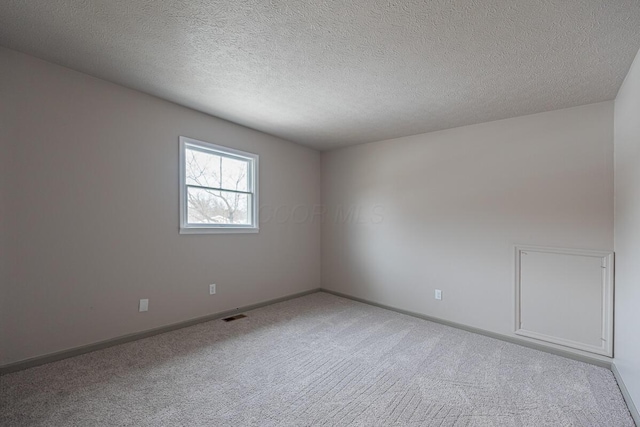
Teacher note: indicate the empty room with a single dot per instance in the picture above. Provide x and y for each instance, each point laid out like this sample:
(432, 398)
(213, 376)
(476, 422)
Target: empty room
(320, 213)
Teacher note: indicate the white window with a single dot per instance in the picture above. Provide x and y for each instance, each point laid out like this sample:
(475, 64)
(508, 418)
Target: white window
(218, 189)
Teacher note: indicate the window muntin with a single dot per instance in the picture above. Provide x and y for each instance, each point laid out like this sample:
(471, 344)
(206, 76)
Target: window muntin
(218, 188)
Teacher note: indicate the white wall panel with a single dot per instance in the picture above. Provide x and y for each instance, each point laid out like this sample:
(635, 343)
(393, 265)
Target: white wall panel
(565, 296)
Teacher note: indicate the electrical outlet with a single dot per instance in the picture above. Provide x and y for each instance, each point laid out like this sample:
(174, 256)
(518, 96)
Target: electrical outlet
(438, 295)
(144, 305)
(212, 289)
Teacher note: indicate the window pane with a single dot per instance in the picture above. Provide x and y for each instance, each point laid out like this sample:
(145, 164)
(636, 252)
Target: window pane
(235, 174)
(216, 171)
(218, 207)
(202, 169)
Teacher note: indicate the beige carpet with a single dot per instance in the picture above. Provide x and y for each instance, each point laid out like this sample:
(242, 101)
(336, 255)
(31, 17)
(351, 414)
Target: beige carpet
(315, 360)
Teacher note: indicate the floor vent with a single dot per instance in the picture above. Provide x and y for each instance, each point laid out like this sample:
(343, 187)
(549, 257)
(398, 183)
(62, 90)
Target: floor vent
(236, 317)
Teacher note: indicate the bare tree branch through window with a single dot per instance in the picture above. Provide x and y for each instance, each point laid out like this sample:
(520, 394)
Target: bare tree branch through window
(219, 193)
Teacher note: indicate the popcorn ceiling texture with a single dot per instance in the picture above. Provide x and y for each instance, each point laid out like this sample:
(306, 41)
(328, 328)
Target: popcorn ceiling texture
(333, 73)
(318, 360)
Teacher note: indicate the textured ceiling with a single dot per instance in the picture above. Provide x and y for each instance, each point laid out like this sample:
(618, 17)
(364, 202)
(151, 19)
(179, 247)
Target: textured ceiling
(332, 73)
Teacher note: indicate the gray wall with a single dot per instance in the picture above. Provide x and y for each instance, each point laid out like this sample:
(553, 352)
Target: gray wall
(93, 224)
(443, 210)
(89, 170)
(5, 163)
(627, 237)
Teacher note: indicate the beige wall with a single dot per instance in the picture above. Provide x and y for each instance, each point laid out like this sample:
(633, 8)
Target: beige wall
(443, 210)
(93, 222)
(627, 237)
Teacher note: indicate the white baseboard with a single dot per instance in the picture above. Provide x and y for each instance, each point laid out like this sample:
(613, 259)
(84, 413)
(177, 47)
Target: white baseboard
(625, 393)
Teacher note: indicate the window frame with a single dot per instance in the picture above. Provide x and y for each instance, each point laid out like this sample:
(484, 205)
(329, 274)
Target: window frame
(253, 179)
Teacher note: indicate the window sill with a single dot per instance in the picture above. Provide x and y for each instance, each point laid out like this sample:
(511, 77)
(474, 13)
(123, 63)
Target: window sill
(220, 230)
